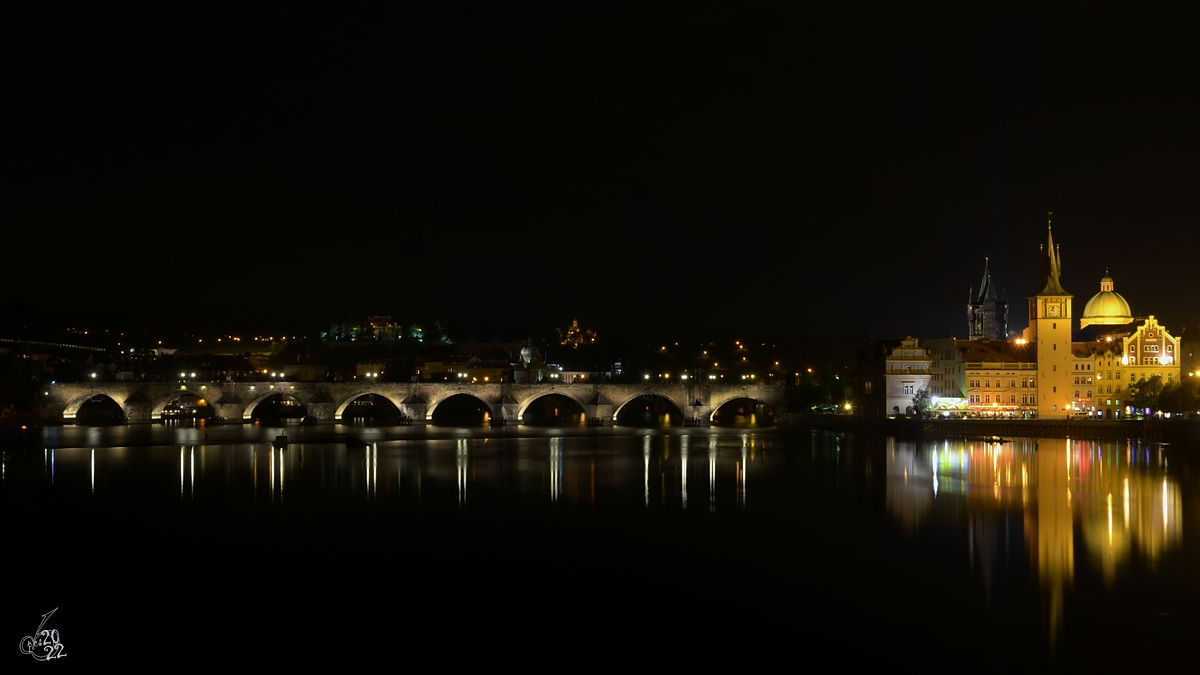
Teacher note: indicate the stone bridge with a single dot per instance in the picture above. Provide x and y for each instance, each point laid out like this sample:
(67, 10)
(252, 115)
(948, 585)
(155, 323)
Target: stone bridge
(326, 401)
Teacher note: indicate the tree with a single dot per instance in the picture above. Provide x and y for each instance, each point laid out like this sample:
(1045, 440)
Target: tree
(1144, 394)
(1181, 397)
(923, 402)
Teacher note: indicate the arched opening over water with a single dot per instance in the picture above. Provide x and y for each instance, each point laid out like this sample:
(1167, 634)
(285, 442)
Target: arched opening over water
(371, 409)
(649, 410)
(744, 412)
(554, 410)
(462, 410)
(100, 409)
(280, 408)
(187, 406)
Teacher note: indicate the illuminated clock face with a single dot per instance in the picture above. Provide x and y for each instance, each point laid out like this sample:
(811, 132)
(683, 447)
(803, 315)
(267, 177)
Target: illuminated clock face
(1052, 310)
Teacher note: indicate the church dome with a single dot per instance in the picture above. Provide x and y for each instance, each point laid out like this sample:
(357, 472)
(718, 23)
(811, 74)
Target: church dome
(529, 353)
(1106, 307)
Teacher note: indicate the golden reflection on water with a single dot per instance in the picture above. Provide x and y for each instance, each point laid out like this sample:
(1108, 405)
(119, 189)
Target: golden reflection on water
(1119, 494)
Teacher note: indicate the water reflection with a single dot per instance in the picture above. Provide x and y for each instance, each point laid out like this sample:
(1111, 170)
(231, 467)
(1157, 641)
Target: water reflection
(556, 468)
(1051, 487)
(683, 459)
(461, 459)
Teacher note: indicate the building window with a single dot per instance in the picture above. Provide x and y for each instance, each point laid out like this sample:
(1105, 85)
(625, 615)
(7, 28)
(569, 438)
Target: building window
(908, 389)
(1012, 398)
(987, 398)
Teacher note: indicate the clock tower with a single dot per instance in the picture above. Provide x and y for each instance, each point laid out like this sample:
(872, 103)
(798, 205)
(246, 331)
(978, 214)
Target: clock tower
(1050, 331)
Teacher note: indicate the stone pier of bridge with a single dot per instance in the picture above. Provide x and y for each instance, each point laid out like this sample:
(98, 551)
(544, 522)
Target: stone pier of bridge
(327, 401)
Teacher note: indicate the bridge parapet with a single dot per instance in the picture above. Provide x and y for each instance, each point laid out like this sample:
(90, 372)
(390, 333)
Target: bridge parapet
(327, 401)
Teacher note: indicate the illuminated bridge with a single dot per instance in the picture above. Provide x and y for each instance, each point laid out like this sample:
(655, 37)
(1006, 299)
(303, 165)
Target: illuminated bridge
(328, 401)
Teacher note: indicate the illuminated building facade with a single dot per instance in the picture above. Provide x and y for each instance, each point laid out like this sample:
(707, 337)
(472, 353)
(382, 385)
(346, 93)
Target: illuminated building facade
(908, 370)
(985, 378)
(1124, 356)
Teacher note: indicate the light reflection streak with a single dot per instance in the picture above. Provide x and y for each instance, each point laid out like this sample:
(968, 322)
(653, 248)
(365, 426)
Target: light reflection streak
(712, 478)
(182, 466)
(51, 466)
(683, 452)
(1164, 504)
(93, 470)
(742, 475)
(271, 468)
(646, 462)
(556, 469)
(934, 471)
(461, 462)
(1109, 501)
(192, 469)
(370, 462)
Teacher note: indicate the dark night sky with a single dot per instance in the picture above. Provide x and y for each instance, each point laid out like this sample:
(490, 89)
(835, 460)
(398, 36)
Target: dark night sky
(775, 166)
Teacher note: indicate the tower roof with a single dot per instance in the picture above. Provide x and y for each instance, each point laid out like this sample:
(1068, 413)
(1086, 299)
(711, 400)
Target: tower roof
(1051, 267)
(987, 291)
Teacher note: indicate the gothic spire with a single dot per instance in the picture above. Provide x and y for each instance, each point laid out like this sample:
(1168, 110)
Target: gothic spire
(1051, 265)
(986, 290)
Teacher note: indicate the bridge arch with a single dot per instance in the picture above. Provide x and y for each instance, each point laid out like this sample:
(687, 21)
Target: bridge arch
(557, 392)
(528, 403)
(742, 396)
(161, 402)
(248, 412)
(71, 410)
(676, 417)
(437, 402)
(337, 414)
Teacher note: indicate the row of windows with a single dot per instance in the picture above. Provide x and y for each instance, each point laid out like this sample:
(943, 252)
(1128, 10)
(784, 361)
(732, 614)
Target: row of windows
(987, 398)
(987, 384)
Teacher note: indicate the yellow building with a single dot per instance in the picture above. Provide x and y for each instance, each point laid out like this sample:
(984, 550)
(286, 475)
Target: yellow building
(1123, 356)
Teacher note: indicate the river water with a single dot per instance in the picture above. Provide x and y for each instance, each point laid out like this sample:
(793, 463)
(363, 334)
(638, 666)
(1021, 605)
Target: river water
(564, 548)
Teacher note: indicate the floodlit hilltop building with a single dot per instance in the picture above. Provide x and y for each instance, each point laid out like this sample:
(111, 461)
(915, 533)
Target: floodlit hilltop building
(1051, 370)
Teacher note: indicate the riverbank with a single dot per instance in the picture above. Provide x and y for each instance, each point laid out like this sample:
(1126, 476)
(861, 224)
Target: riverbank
(1184, 432)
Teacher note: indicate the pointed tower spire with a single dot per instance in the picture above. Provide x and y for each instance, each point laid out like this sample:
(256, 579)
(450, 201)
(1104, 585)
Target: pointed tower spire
(1051, 264)
(986, 290)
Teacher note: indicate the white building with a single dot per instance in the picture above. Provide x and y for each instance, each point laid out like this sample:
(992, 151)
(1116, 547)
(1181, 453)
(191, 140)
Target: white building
(908, 370)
